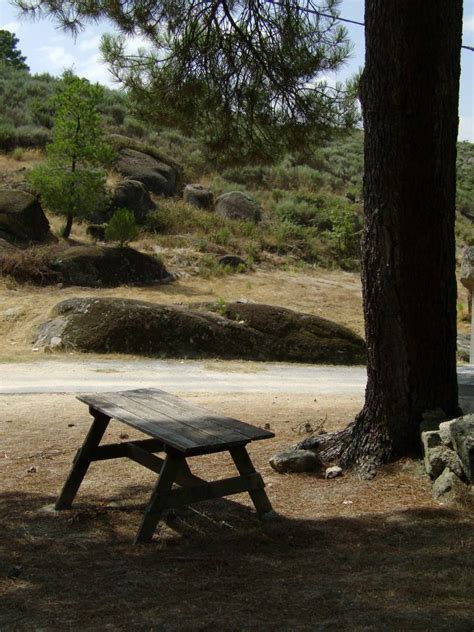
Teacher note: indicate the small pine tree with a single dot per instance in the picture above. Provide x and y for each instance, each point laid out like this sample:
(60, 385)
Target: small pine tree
(122, 227)
(72, 182)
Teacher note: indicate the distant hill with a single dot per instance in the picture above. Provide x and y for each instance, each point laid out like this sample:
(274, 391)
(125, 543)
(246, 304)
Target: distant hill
(312, 209)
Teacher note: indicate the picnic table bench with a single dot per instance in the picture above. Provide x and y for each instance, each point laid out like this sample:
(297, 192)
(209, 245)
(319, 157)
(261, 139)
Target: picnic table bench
(180, 430)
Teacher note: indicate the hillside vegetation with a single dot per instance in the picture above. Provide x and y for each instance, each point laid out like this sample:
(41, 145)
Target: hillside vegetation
(311, 211)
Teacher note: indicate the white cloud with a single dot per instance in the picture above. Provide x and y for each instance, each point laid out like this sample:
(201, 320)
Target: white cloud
(468, 25)
(58, 57)
(94, 69)
(13, 27)
(466, 128)
(89, 44)
(135, 42)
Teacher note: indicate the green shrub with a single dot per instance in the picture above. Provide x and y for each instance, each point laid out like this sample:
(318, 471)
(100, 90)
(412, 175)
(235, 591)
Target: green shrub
(122, 227)
(134, 128)
(7, 137)
(300, 212)
(249, 176)
(117, 112)
(222, 236)
(32, 137)
(62, 190)
(346, 231)
(176, 217)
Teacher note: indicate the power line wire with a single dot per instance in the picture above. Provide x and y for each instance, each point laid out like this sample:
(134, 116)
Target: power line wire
(339, 19)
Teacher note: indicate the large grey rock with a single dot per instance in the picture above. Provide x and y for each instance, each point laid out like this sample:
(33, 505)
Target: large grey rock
(157, 176)
(295, 336)
(467, 268)
(238, 205)
(440, 458)
(296, 461)
(124, 326)
(197, 195)
(430, 439)
(462, 433)
(22, 219)
(448, 487)
(463, 346)
(133, 195)
(445, 433)
(95, 266)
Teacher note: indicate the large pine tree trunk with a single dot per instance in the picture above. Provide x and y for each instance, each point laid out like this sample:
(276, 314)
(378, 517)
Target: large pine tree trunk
(409, 94)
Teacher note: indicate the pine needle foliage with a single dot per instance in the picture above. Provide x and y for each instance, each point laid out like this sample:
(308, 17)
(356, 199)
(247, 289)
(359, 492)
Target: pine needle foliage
(247, 77)
(72, 182)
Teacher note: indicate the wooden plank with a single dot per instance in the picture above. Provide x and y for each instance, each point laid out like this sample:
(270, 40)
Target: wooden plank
(166, 432)
(216, 489)
(186, 438)
(82, 461)
(184, 477)
(203, 421)
(109, 451)
(176, 404)
(258, 495)
(118, 450)
(155, 507)
(148, 460)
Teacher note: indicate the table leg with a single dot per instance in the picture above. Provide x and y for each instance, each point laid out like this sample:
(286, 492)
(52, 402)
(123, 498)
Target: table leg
(82, 460)
(158, 498)
(245, 466)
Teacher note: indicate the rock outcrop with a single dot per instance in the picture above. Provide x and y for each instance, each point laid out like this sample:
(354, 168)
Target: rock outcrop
(197, 195)
(118, 325)
(158, 177)
(449, 458)
(22, 220)
(467, 268)
(133, 195)
(238, 205)
(94, 266)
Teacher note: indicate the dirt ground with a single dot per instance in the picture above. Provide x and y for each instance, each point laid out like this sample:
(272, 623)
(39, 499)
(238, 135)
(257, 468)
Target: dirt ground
(343, 554)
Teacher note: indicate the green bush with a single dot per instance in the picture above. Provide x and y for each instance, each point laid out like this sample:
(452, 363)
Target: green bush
(222, 236)
(61, 190)
(178, 217)
(7, 137)
(249, 176)
(122, 227)
(32, 137)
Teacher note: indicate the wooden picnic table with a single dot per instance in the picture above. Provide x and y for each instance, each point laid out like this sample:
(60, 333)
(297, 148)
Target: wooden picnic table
(180, 430)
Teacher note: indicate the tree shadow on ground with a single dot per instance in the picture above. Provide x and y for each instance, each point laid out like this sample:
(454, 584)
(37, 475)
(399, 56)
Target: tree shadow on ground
(216, 566)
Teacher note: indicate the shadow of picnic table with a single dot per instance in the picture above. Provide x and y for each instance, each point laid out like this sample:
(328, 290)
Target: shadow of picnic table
(217, 567)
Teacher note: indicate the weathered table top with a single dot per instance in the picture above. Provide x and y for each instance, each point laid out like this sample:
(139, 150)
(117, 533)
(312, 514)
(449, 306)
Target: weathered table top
(177, 423)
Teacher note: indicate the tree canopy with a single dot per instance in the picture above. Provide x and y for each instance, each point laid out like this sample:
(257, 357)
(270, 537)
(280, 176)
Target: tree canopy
(8, 51)
(252, 76)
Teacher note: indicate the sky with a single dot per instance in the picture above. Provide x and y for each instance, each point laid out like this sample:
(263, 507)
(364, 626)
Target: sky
(48, 49)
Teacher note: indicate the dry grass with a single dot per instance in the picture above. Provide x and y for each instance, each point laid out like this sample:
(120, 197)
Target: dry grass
(333, 295)
(343, 555)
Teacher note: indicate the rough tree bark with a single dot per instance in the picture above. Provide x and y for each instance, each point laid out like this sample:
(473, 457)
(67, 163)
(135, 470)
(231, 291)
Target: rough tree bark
(409, 94)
